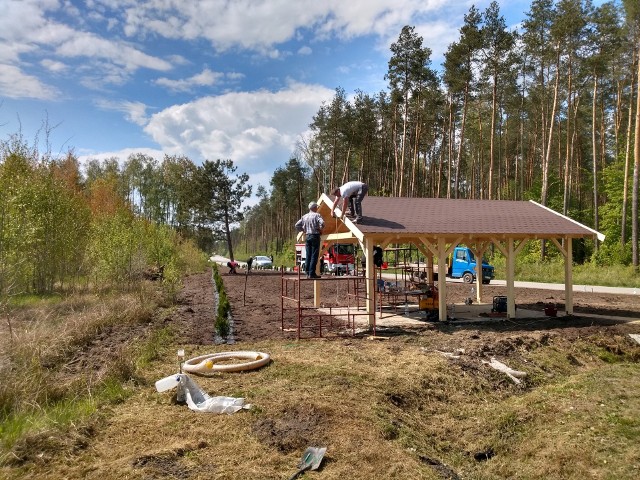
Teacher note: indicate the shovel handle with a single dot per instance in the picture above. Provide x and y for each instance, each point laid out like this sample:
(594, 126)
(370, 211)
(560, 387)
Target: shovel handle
(295, 475)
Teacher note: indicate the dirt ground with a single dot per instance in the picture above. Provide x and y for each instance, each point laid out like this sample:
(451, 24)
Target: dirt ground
(256, 308)
(256, 316)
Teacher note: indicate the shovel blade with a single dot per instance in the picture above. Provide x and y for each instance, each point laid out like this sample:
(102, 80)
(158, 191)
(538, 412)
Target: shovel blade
(312, 457)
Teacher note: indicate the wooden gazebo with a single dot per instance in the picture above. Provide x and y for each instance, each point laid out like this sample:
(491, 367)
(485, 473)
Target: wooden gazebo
(436, 225)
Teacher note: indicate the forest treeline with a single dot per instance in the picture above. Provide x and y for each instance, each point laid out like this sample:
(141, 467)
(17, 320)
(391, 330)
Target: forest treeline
(548, 113)
(110, 224)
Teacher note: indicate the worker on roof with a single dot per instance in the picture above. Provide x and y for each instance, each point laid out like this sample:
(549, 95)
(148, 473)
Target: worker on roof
(311, 224)
(355, 192)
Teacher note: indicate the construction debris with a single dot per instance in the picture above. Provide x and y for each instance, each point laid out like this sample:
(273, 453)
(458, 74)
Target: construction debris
(514, 375)
(448, 355)
(452, 355)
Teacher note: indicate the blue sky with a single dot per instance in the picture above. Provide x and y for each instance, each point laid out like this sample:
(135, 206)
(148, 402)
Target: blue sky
(238, 79)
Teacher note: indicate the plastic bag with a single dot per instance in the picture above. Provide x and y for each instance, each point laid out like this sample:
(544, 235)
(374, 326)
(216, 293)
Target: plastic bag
(198, 400)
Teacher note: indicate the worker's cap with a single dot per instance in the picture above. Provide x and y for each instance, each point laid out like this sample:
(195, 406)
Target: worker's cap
(313, 206)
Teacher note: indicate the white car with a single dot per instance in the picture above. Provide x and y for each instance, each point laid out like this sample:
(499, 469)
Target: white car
(262, 261)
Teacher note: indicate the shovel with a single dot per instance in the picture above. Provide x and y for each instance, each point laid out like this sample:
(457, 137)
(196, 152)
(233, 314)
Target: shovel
(311, 459)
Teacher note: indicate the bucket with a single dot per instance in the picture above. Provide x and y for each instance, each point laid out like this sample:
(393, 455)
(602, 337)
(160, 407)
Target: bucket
(167, 383)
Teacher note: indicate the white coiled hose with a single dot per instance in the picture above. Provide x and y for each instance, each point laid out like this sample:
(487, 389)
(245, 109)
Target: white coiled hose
(207, 364)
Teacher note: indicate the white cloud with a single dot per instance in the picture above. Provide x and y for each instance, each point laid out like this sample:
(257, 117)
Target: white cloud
(135, 112)
(437, 36)
(202, 79)
(257, 130)
(27, 28)
(235, 75)
(20, 18)
(14, 83)
(119, 53)
(53, 65)
(274, 22)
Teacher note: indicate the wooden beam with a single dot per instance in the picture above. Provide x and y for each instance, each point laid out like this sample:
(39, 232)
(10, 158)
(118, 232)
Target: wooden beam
(383, 243)
(597, 234)
(427, 254)
(353, 228)
(427, 243)
(520, 245)
(497, 243)
(452, 245)
(337, 237)
(560, 247)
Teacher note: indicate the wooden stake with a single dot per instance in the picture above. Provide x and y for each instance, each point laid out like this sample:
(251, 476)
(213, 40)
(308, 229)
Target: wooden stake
(244, 295)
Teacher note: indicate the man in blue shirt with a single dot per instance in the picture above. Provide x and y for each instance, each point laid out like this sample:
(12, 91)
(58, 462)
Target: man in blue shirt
(311, 224)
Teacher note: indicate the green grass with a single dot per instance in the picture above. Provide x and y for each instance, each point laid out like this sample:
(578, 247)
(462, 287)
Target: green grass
(31, 300)
(154, 347)
(586, 274)
(32, 403)
(59, 415)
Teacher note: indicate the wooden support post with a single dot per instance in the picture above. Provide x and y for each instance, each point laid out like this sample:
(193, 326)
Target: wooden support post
(317, 294)
(511, 273)
(566, 248)
(568, 276)
(442, 279)
(478, 251)
(371, 280)
(478, 279)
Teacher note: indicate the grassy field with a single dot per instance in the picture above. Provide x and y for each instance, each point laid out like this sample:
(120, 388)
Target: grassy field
(394, 408)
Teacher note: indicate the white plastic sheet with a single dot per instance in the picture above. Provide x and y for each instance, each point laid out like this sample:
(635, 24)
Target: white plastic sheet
(514, 375)
(199, 401)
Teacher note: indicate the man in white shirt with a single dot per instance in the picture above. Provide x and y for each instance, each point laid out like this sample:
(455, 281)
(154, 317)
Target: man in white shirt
(354, 191)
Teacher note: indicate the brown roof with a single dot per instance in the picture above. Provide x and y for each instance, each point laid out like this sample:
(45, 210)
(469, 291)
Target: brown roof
(440, 216)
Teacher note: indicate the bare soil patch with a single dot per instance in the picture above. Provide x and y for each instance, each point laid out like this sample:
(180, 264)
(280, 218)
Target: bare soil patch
(256, 303)
(292, 429)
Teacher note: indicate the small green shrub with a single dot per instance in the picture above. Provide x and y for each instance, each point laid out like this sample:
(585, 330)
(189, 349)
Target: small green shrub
(222, 325)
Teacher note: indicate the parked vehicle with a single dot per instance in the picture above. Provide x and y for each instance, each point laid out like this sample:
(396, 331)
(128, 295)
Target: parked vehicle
(262, 261)
(462, 264)
(338, 258)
